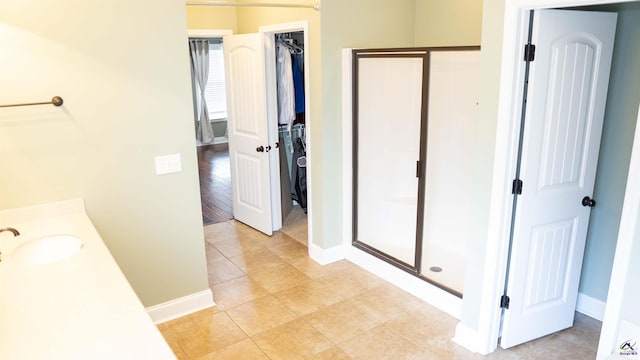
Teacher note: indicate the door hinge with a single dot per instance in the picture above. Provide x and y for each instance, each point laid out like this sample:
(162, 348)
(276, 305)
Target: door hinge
(504, 302)
(516, 188)
(418, 169)
(529, 52)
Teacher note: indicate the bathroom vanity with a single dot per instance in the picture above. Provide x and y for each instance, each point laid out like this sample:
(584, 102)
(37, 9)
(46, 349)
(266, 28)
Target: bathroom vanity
(62, 295)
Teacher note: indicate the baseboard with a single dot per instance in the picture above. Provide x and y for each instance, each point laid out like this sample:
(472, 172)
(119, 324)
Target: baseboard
(220, 140)
(326, 256)
(430, 294)
(216, 141)
(180, 307)
(466, 337)
(590, 306)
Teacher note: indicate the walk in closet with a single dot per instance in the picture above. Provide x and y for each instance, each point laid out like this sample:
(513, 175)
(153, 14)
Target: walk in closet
(267, 96)
(414, 117)
(291, 120)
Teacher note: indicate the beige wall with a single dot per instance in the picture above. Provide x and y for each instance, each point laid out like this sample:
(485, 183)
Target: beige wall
(122, 68)
(119, 114)
(350, 24)
(354, 23)
(212, 17)
(448, 23)
(491, 60)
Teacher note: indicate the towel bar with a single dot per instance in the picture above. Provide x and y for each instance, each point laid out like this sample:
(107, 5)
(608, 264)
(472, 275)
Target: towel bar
(56, 101)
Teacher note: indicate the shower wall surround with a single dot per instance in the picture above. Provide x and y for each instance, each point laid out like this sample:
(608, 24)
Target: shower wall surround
(414, 118)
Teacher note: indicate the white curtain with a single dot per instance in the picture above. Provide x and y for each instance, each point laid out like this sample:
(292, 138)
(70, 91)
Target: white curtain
(200, 66)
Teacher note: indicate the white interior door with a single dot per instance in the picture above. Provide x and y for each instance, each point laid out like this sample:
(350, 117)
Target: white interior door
(565, 109)
(248, 130)
(388, 138)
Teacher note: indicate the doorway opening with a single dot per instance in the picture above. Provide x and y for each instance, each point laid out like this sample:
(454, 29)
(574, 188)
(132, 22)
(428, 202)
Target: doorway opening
(211, 139)
(227, 238)
(504, 168)
(292, 131)
(290, 187)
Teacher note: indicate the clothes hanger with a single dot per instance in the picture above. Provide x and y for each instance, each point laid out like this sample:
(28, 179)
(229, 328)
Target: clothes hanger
(290, 44)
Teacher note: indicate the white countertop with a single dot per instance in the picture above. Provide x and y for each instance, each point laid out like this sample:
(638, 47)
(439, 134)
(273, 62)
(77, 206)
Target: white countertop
(78, 308)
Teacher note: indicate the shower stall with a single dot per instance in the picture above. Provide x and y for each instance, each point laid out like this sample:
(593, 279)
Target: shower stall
(414, 120)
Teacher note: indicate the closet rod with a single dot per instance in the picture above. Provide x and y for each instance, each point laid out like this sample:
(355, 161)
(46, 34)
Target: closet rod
(56, 101)
(315, 6)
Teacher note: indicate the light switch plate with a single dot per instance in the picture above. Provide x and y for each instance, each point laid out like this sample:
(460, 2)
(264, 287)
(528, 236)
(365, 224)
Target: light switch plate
(167, 164)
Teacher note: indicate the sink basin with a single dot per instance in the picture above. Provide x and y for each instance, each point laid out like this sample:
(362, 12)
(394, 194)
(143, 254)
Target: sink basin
(48, 249)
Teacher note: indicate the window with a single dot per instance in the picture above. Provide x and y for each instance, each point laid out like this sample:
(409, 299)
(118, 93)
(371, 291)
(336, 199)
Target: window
(215, 92)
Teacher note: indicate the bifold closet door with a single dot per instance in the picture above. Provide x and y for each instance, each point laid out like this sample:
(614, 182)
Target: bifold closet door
(389, 93)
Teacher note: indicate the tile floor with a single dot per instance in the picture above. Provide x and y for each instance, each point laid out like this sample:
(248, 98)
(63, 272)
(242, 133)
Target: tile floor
(273, 302)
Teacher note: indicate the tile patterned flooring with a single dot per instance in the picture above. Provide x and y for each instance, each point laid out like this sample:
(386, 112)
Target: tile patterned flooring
(274, 302)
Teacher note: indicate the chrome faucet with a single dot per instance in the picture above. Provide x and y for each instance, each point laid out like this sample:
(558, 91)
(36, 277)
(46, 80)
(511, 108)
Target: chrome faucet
(14, 231)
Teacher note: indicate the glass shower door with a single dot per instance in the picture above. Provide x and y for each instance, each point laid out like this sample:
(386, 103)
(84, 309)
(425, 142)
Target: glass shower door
(453, 112)
(388, 127)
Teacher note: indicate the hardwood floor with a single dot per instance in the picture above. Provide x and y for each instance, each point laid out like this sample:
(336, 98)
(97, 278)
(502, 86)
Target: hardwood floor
(215, 183)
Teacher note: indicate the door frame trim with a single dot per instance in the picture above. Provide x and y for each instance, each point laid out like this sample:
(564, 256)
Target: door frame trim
(506, 140)
(208, 33)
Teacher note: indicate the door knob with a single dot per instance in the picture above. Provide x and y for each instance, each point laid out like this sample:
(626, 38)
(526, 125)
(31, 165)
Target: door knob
(587, 201)
(260, 148)
(268, 148)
